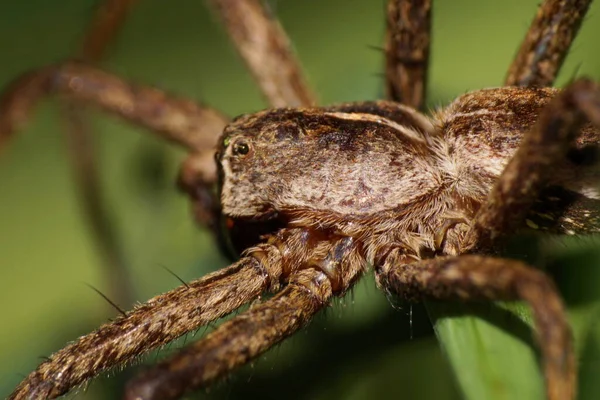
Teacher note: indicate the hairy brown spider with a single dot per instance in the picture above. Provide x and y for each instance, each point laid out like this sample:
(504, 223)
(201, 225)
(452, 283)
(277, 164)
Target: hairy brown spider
(345, 188)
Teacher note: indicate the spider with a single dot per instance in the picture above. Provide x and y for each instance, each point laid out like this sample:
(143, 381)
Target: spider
(442, 241)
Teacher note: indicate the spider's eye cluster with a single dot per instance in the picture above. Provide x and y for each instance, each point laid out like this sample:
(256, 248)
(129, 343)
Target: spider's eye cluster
(240, 148)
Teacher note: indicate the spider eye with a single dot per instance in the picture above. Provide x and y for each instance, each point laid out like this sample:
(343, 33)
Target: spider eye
(241, 148)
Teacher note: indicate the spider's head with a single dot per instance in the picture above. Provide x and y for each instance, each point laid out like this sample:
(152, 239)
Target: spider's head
(250, 175)
(254, 163)
(240, 179)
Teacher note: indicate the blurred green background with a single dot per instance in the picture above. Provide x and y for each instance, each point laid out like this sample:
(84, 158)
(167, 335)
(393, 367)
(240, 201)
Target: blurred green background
(361, 347)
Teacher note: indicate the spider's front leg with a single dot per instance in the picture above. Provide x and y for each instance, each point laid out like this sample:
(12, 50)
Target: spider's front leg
(176, 119)
(237, 341)
(471, 277)
(315, 269)
(165, 318)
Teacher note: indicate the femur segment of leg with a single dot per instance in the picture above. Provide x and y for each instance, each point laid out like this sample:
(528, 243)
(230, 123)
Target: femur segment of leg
(118, 280)
(477, 278)
(108, 19)
(236, 342)
(179, 120)
(407, 46)
(529, 170)
(316, 270)
(547, 42)
(266, 49)
(153, 324)
(292, 257)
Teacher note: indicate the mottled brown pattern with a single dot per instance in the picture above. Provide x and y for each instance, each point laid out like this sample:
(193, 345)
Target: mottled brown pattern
(318, 194)
(156, 322)
(532, 166)
(407, 44)
(334, 149)
(564, 211)
(547, 42)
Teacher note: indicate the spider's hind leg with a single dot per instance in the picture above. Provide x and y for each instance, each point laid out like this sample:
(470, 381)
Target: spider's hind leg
(469, 278)
(315, 269)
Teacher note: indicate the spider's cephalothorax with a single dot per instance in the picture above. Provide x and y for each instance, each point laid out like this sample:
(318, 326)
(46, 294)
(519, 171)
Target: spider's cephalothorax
(313, 196)
(383, 173)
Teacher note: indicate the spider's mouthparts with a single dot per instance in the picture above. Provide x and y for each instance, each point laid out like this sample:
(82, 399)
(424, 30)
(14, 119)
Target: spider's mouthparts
(238, 234)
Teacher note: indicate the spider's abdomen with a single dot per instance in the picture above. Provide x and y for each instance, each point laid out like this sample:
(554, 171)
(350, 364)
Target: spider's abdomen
(483, 129)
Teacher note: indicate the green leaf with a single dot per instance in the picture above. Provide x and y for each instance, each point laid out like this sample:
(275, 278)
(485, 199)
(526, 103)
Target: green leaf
(490, 349)
(490, 346)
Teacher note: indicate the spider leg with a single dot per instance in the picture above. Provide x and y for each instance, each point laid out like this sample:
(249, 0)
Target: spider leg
(473, 277)
(407, 43)
(563, 212)
(107, 21)
(529, 170)
(316, 267)
(266, 49)
(156, 322)
(237, 341)
(118, 281)
(179, 120)
(106, 24)
(546, 43)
